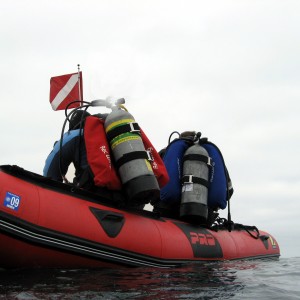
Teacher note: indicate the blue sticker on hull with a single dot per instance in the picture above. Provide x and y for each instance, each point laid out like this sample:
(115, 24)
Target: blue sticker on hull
(12, 201)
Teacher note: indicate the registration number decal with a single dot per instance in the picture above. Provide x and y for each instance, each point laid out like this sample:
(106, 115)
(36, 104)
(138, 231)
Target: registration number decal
(12, 201)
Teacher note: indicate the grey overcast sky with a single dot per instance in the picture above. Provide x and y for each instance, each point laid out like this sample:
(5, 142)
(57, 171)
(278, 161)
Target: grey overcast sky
(227, 68)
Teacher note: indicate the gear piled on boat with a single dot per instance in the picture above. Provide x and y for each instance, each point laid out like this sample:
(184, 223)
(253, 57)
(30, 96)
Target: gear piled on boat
(119, 154)
(199, 180)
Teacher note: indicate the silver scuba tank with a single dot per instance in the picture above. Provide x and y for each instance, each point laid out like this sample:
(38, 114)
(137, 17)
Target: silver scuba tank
(193, 207)
(130, 156)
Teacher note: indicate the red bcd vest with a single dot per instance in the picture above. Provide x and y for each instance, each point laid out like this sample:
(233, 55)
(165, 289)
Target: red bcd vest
(98, 154)
(157, 164)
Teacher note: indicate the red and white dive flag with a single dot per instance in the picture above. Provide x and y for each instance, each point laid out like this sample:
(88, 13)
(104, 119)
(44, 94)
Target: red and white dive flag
(64, 89)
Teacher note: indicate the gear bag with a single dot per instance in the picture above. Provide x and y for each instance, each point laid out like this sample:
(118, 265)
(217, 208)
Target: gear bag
(98, 154)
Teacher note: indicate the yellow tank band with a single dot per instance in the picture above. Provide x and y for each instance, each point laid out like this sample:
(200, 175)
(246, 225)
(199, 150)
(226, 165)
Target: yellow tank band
(118, 123)
(126, 137)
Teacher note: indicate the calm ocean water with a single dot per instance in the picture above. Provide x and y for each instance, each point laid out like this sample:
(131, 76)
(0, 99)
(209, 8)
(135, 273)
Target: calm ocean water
(255, 279)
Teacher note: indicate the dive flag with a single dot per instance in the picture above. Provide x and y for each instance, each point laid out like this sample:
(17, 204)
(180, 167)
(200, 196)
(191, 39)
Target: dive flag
(65, 89)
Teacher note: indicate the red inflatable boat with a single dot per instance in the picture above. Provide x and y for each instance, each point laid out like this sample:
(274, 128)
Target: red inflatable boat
(44, 223)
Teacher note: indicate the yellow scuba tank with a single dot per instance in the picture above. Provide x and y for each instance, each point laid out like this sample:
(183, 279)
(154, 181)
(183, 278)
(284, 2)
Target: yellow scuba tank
(131, 158)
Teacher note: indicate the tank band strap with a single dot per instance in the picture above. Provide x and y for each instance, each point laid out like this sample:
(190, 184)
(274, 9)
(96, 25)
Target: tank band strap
(132, 156)
(199, 157)
(193, 179)
(129, 127)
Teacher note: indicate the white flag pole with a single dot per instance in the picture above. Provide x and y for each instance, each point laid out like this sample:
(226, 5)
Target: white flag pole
(79, 87)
